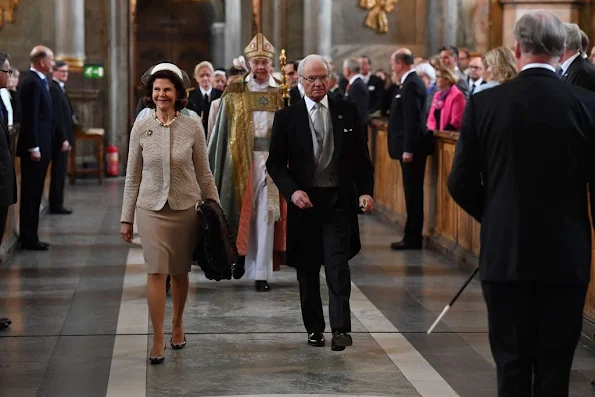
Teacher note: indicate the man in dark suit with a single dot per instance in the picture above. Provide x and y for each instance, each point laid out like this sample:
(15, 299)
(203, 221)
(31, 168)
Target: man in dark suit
(356, 90)
(8, 182)
(318, 157)
(449, 58)
(374, 83)
(522, 165)
(201, 96)
(575, 69)
(34, 146)
(334, 91)
(408, 143)
(62, 139)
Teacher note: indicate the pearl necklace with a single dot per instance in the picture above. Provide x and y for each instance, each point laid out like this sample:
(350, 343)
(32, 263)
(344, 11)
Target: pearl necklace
(169, 122)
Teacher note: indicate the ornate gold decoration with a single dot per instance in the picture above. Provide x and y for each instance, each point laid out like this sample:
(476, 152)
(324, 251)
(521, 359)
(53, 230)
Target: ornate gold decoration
(75, 64)
(284, 87)
(7, 11)
(377, 9)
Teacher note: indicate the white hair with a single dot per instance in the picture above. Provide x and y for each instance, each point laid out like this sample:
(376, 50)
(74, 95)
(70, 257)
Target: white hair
(428, 70)
(540, 33)
(313, 58)
(574, 39)
(352, 64)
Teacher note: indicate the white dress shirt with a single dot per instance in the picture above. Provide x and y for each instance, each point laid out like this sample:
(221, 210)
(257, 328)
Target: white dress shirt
(5, 95)
(539, 66)
(568, 62)
(406, 75)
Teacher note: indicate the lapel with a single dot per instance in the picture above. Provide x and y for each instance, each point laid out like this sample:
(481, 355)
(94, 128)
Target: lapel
(303, 127)
(337, 120)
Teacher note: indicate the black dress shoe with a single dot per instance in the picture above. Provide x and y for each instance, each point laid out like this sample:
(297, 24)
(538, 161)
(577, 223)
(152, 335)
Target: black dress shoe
(238, 269)
(60, 211)
(4, 323)
(316, 339)
(262, 286)
(402, 245)
(340, 340)
(35, 246)
(44, 243)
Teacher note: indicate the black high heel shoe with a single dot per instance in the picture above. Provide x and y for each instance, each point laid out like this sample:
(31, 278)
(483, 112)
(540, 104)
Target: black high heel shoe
(177, 346)
(158, 359)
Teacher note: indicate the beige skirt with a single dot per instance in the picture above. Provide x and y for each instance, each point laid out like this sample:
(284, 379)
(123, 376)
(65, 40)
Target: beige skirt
(168, 239)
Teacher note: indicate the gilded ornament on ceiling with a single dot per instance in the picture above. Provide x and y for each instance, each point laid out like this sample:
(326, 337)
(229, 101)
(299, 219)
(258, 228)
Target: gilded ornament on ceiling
(377, 18)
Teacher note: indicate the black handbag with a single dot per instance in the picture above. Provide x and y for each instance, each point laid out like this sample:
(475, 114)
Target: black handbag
(216, 251)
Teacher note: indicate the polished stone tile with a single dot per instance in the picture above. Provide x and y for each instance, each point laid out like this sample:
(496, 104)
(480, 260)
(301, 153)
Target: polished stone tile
(262, 364)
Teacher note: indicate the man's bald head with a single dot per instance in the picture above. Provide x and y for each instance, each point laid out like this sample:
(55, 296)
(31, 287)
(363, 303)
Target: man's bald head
(42, 58)
(403, 55)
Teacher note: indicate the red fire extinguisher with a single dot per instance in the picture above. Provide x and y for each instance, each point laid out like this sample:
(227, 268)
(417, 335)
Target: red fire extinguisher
(112, 160)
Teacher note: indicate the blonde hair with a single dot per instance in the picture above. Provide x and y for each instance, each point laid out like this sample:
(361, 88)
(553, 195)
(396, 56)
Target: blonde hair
(448, 74)
(503, 64)
(204, 64)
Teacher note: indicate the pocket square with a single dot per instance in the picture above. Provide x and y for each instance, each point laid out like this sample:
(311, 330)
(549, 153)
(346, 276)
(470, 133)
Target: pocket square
(398, 96)
(371, 88)
(347, 130)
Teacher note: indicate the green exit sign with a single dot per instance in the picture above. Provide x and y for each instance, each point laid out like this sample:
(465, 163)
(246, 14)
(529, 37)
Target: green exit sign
(93, 71)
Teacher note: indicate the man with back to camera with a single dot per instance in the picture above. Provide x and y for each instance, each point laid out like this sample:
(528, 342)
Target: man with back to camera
(320, 162)
(522, 164)
(34, 146)
(575, 69)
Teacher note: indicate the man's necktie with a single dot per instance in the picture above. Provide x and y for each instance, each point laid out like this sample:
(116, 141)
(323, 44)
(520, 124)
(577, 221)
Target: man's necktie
(560, 73)
(2, 115)
(46, 84)
(472, 88)
(318, 124)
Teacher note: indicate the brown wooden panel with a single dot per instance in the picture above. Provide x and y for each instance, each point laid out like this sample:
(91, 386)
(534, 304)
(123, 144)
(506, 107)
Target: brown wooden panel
(447, 208)
(464, 229)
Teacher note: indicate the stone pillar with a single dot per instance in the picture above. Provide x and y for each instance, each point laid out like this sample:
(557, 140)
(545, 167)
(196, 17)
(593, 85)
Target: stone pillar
(513, 10)
(442, 24)
(233, 30)
(117, 73)
(70, 32)
(325, 28)
(218, 45)
(318, 16)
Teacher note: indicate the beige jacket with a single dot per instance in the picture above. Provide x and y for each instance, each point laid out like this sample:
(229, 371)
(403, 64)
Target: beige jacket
(167, 165)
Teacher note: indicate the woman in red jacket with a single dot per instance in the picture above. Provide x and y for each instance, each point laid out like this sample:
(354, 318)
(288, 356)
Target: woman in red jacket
(446, 113)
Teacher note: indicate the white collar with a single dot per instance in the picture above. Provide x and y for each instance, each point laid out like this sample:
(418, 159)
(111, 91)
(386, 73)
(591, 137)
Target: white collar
(539, 66)
(406, 75)
(41, 75)
(355, 77)
(61, 84)
(367, 76)
(207, 92)
(300, 88)
(477, 82)
(310, 103)
(272, 82)
(569, 61)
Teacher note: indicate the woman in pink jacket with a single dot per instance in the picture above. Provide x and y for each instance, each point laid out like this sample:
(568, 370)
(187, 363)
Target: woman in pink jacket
(446, 113)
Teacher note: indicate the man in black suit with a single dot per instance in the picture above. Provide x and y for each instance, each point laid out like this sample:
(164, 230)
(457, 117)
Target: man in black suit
(201, 96)
(408, 143)
(575, 69)
(8, 182)
(34, 146)
(449, 58)
(522, 165)
(318, 158)
(291, 71)
(374, 83)
(334, 91)
(62, 139)
(356, 90)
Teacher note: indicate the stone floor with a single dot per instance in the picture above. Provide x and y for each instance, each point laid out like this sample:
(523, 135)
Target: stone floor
(81, 328)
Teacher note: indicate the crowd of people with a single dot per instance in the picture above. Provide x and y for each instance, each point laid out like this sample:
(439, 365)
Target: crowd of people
(291, 178)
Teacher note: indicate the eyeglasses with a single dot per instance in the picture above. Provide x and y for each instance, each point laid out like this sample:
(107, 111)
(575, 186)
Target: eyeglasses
(8, 72)
(475, 67)
(314, 79)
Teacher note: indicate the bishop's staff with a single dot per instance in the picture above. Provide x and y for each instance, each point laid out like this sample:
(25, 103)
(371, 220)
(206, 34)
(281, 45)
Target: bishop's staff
(284, 86)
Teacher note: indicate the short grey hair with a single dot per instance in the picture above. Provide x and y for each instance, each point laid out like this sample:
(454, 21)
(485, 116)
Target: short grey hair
(574, 40)
(313, 58)
(540, 33)
(352, 64)
(428, 70)
(335, 76)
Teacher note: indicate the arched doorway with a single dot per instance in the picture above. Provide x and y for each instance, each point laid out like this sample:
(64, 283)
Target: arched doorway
(174, 30)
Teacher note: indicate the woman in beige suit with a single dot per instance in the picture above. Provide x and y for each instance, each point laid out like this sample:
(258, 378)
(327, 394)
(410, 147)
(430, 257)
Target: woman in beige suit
(168, 173)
